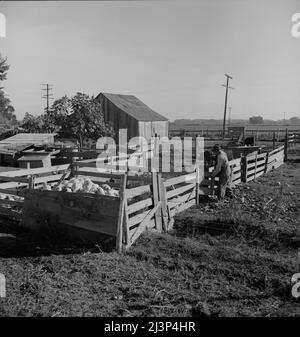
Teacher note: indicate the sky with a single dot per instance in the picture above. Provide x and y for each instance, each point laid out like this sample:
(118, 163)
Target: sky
(171, 54)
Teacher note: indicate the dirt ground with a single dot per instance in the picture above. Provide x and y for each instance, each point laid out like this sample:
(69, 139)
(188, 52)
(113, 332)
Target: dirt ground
(234, 258)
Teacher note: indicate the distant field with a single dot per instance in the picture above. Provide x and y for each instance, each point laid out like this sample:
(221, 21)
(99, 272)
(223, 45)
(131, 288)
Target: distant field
(216, 127)
(214, 132)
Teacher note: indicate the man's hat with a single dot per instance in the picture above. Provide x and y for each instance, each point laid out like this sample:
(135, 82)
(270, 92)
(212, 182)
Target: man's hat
(216, 148)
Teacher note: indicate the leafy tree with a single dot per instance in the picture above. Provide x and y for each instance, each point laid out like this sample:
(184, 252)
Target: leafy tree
(3, 69)
(58, 114)
(7, 115)
(256, 120)
(33, 124)
(294, 120)
(79, 117)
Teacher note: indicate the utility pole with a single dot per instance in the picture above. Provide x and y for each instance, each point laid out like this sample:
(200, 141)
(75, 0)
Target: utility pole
(226, 95)
(284, 118)
(229, 108)
(47, 95)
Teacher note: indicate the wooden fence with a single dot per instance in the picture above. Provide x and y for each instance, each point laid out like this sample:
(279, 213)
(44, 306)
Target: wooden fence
(147, 201)
(154, 205)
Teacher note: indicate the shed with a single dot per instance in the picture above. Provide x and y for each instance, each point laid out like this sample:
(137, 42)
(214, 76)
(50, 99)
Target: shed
(128, 112)
(35, 159)
(9, 153)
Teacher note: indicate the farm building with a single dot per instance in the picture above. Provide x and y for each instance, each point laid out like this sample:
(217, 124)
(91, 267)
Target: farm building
(11, 148)
(128, 112)
(10, 153)
(35, 159)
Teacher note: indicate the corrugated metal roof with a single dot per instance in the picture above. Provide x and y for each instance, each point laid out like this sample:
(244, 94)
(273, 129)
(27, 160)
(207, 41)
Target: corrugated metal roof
(29, 138)
(134, 107)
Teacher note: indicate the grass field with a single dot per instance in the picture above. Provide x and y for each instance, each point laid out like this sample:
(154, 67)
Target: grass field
(234, 258)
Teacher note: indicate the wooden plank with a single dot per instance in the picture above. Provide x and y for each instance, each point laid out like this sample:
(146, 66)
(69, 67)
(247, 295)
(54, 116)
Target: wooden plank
(36, 171)
(86, 203)
(176, 202)
(188, 178)
(143, 224)
(95, 173)
(256, 157)
(94, 214)
(137, 191)
(12, 202)
(100, 174)
(236, 182)
(11, 191)
(14, 179)
(258, 162)
(119, 241)
(12, 185)
(279, 149)
(179, 190)
(51, 178)
(139, 205)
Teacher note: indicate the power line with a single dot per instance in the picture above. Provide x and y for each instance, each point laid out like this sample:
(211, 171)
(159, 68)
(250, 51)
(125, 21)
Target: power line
(47, 96)
(226, 96)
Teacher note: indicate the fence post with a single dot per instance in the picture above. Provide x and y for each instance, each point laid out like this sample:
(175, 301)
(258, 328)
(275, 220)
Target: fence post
(274, 140)
(266, 163)
(163, 200)
(156, 199)
(197, 184)
(119, 240)
(244, 169)
(72, 167)
(286, 144)
(31, 182)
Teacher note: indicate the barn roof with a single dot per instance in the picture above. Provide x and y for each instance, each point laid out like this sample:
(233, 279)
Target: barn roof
(29, 138)
(134, 107)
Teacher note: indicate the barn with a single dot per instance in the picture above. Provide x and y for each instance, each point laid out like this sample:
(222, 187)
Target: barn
(128, 112)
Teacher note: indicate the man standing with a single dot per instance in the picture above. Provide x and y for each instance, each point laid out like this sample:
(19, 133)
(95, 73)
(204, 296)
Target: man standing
(223, 171)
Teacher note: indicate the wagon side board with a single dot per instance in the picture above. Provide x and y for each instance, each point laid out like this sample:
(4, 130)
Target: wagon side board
(92, 213)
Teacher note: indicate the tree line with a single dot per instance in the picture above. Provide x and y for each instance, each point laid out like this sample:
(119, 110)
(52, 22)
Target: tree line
(7, 111)
(77, 117)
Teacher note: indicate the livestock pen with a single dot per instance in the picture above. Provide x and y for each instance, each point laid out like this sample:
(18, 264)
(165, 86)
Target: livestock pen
(144, 202)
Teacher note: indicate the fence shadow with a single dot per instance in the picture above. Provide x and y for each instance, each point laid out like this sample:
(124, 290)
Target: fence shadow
(18, 242)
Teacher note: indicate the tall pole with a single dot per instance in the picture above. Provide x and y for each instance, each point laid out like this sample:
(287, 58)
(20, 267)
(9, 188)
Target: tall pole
(47, 95)
(229, 108)
(226, 96)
